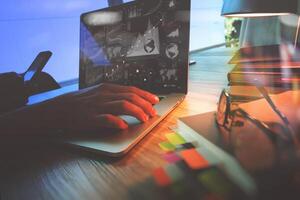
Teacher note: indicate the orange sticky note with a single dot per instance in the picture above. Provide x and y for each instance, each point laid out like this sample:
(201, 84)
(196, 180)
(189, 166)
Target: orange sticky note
(193, 159)
(161, 177)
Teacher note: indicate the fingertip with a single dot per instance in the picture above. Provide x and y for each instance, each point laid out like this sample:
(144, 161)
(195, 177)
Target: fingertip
(123, 126)
(153, 99)
(111, 121)
(154, 112)
(120, 124)
(156, 99)
(144, 118)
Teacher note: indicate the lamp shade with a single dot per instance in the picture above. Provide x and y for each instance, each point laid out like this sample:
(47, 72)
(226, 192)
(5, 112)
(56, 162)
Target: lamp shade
(258, 8)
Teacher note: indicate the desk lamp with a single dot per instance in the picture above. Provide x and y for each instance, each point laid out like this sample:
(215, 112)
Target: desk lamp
(264, 8)
(261, 8)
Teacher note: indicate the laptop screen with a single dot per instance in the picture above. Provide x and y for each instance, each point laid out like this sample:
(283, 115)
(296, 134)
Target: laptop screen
(141, 43)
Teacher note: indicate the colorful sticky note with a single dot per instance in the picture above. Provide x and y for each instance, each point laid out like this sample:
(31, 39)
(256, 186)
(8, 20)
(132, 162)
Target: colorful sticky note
(216, 182)
(167, 146)
(175, 139)
(171, 157)
(193, 159)
(161, 177)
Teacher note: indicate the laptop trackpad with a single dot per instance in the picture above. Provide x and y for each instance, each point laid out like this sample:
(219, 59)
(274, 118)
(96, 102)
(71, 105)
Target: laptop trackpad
(130, 120)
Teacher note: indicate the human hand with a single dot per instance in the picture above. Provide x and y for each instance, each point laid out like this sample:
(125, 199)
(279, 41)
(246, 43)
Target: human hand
(100, 106)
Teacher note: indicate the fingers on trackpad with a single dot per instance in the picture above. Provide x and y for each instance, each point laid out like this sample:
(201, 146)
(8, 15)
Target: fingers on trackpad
(130, 120)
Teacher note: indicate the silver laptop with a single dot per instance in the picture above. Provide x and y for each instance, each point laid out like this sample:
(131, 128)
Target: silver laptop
(141, 43)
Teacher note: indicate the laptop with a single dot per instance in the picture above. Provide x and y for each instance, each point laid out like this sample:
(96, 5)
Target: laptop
(140, 43)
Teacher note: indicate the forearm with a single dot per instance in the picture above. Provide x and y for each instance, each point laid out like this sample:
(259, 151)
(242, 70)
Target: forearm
(90, 109)
(30, 120)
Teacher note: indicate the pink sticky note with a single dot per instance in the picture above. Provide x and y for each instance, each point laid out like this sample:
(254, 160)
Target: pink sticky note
(171, 157)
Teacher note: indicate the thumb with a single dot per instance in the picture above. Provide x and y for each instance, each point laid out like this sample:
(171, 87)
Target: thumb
(110, 121)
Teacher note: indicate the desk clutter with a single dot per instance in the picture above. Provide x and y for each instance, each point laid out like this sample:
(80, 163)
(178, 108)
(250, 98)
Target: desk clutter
(269, 156)
(192, 172)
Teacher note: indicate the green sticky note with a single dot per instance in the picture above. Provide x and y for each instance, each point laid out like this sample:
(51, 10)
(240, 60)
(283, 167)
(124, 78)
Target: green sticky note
(215, 182)
(175, 139)
(167, 146)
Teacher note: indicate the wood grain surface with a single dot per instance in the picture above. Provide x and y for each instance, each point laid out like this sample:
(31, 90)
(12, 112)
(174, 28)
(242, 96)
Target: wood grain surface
(49, 171)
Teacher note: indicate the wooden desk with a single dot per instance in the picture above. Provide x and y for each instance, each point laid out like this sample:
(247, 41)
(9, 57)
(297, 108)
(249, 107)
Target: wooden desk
(55, 172)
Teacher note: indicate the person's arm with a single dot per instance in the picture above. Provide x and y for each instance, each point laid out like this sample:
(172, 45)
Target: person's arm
(89, 109)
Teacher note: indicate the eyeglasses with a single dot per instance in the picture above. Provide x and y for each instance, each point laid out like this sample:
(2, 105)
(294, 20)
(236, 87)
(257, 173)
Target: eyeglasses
(255, 145)
(288, 127)
(224, 111)
(251, 139)
(227, 110)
